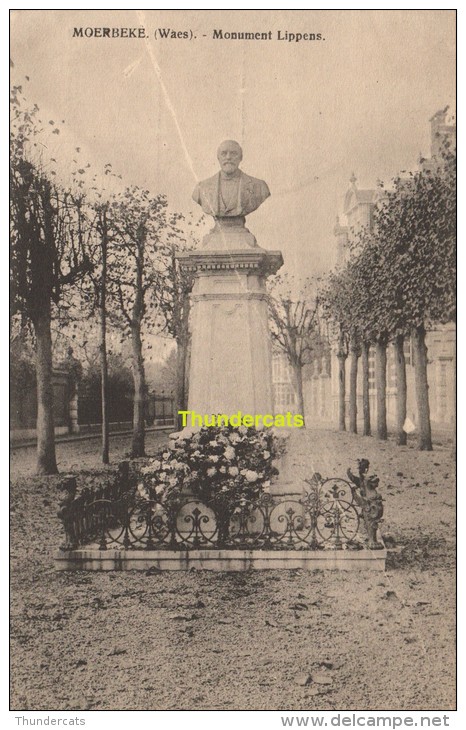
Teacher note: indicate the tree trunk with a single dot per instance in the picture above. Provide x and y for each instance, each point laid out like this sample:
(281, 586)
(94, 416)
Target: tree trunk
(353, 388)
(455, 434)
(422, 389)
(181, 400)
(103, 349)
(104, 386)
(366, 407)
(180, 395)
(138, 444)
(381, 386)
(401, 390)
(341, 391)
(46, 459)
(298, 373)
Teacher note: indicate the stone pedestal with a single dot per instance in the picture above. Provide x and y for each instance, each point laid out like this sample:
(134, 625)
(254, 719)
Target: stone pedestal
(230, 364)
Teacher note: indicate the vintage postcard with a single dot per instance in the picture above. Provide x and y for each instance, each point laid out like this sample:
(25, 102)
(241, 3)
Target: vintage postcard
(232, 363)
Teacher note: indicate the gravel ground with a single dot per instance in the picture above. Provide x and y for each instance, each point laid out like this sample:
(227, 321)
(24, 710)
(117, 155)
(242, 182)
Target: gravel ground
(278, 640)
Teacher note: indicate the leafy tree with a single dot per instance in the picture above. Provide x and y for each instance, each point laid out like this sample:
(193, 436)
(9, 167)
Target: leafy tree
(139, 224)
(94, 295)
(369, 278)
(416, 234)
(47, 255)
(335, 297)
(104, 235)
(399, 281)
(100, 285)
(349, 300)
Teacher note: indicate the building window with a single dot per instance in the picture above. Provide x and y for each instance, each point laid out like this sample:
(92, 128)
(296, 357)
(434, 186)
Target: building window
(407, 349)
(281, 369)
(371, 370)
(284, 395)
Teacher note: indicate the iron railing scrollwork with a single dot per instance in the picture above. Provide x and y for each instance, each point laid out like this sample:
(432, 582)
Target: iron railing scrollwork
(330, 515)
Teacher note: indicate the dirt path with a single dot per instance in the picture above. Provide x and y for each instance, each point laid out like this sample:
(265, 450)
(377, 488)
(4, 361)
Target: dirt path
(270, 640)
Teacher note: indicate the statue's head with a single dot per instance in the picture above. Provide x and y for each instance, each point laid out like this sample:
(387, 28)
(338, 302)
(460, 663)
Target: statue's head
(229, 155)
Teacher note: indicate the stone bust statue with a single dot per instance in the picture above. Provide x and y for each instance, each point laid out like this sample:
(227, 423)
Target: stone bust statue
(230, 193)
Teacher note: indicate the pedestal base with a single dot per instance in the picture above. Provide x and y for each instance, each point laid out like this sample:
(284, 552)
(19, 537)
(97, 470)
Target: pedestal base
(230, 366)
(221, 560)
(229, 237)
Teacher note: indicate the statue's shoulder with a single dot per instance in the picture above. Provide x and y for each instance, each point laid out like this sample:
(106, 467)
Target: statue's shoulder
(209, 182)
(255, 183)
(205, 187)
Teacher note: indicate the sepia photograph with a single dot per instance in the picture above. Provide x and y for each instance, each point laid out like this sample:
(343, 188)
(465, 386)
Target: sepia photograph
(233, 365)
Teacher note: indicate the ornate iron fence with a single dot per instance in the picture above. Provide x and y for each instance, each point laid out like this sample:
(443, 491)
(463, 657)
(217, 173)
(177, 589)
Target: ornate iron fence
(330, 515)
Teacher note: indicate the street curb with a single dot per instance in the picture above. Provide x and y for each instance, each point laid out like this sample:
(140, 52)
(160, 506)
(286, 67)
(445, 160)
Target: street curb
(86, 437)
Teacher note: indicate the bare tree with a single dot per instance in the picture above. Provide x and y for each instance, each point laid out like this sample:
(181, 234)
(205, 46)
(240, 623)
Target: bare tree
(174, 306)
(294, 317)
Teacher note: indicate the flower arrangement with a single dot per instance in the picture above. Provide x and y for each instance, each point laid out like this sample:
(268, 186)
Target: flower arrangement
(223, 465)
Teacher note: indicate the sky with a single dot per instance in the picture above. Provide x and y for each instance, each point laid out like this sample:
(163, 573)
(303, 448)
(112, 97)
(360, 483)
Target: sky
(307, 114)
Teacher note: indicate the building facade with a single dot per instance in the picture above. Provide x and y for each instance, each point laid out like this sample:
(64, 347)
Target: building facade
(358, 212)
(284, 391)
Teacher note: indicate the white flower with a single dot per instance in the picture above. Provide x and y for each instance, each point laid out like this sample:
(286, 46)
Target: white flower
(251, 476)
(234, 437)
(223, 470)
(153, 466)
(214, 458)
(266, 454)
(213, 443)
(230, 453)
(212, 471)
(173, 481)
(234, 471)
(159, 488)
(242, 430)
(166, 455)
(142, 491)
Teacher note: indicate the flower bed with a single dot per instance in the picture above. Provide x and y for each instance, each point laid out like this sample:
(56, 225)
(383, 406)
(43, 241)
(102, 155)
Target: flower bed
(222, 465)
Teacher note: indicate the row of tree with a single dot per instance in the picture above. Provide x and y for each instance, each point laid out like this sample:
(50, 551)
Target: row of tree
(398, 282)
(80, 254)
